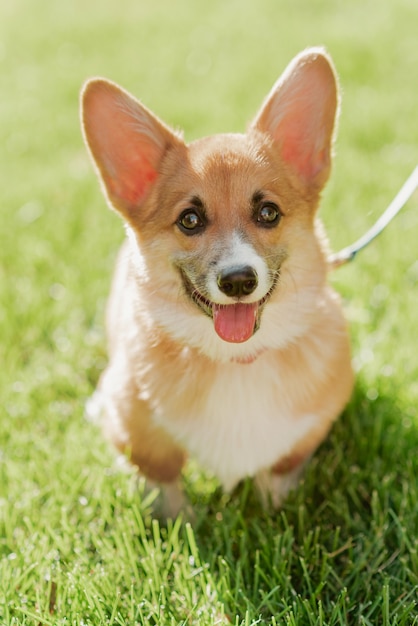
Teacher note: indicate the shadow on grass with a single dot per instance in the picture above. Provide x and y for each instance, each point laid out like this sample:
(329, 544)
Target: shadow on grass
(352, 524)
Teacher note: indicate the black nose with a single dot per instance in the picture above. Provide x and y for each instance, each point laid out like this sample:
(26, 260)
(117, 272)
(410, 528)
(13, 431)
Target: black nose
(238, 281)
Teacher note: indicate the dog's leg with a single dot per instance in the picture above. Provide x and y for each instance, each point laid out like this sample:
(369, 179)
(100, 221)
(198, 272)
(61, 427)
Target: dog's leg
(128, 424)
(170, 501)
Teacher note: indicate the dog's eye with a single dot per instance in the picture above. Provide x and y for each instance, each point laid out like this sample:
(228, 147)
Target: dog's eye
(191, 222)
(268, 215)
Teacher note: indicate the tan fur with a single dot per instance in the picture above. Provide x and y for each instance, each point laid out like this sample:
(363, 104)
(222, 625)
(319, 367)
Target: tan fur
(173, 385)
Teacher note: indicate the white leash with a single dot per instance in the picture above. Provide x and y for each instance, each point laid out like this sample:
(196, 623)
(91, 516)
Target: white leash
(401, 198)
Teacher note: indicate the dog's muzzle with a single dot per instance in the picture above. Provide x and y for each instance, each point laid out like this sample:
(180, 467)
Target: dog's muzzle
(236, 322)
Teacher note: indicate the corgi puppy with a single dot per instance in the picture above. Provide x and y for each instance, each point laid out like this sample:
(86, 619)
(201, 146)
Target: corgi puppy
(225, 340)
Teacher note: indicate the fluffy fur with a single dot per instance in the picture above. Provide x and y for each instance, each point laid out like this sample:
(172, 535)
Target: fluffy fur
(225, 340)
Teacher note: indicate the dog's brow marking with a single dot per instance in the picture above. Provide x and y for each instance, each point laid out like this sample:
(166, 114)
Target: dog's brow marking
(258, 196)
(196, 202)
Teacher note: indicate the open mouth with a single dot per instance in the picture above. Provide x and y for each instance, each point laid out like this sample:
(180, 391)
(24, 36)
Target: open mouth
(235, 322)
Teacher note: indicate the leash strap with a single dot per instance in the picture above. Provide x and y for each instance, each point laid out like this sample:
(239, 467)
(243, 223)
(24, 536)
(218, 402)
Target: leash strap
(401, 198)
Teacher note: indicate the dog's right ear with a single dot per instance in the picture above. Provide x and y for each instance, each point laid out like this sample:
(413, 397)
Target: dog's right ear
(126, 141)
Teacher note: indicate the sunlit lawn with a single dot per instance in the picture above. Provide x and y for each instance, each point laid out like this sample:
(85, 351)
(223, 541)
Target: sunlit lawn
(77, 541)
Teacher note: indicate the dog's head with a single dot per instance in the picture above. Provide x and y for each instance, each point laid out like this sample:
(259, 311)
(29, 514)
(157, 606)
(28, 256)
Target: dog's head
(224, 228)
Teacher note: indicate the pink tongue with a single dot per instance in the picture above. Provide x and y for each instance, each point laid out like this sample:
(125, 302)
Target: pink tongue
(235, 322)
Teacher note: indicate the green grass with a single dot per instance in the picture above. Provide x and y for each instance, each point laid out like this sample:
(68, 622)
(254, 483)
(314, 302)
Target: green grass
(78, 544)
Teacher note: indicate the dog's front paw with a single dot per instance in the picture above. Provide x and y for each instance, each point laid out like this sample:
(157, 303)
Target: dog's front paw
(274, 487)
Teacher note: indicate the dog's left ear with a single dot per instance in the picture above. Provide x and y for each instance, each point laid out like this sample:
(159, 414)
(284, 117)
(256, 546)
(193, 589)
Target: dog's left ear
(299, 115)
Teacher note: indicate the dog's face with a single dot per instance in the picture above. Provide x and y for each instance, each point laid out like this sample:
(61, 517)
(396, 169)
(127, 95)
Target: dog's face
(224, 228)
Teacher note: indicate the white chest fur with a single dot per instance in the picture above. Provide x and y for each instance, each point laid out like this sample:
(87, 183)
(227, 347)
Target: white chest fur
(246, 423)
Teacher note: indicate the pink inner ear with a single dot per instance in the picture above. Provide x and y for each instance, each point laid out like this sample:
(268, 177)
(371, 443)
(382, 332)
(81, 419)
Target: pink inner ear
(304, 135)
(131, 184)
(299, 115)
(127, 142)
(307, 164)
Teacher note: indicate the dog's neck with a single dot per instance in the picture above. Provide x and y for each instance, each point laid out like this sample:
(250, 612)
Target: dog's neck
(248, 359)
